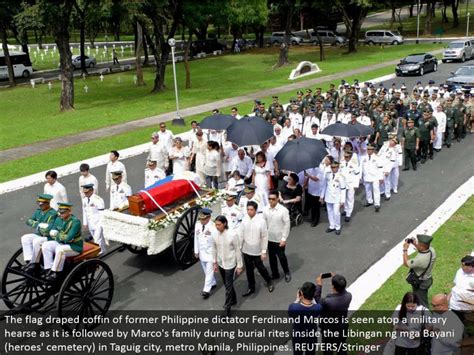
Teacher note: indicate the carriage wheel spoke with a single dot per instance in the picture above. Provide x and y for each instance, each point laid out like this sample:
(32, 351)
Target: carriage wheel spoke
(102, 291)
(101, 310)
(14, 281)
(185, 248)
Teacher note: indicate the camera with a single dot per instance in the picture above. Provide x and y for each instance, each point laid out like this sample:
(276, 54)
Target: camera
(409, 240)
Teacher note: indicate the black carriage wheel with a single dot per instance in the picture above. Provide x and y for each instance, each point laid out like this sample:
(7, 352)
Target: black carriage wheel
(183, 237)
(136, 250)
(86, 292)
(19, 289)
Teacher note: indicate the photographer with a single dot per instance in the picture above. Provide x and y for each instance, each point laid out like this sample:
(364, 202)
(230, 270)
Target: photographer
(421, 266)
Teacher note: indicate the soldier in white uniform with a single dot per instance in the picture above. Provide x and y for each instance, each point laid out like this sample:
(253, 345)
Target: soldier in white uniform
(231, 211)
(153, 173)
(372, 175)
(204, 235)
(119, 191)
(250, 195)
(92, 207)
(158, 152)
(389, 156)
(350, 170)
(334, 194)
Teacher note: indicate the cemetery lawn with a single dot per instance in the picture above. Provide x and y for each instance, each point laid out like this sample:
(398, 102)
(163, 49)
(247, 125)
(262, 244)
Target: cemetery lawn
(32, 115)
(80, 152)
(452, 241)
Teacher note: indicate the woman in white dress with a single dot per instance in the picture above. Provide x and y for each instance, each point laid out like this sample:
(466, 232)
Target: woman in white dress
(261, 177)
(213, 165)
(199, 153)
(178, 155)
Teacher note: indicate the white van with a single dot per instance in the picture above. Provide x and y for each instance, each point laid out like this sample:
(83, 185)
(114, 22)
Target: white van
(383, 37)
(21, 65)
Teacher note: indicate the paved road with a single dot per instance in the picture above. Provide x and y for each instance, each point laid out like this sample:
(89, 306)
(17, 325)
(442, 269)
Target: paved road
(156, 282)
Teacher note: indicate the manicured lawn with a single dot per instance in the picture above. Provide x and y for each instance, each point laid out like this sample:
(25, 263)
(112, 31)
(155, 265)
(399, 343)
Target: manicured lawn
(33, 113)
(22, 167)
(452, 241)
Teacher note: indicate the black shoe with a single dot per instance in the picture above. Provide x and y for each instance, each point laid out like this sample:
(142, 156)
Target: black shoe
(213, 287)
(270, 287)
(347, 219)
(248, 293)
(405, 169)
(227, 313)
(343, 213)
(431, 158)
(33, 269)
(338, 232)
(414, 169)
(275, 277)
(377, 208)
(368, 204)
(288, 277)
(423, 161)
(330, 230)
(233, 303)
(314, 224)
(448, 145)
(205, 295)
(387, 198)
(51, 276)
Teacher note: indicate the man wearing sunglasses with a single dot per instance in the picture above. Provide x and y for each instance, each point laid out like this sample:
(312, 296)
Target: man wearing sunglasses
(119, 191)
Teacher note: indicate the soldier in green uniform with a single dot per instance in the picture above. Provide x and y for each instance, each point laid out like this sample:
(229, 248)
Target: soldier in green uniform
(450, 112)
(308, 99)
(410, 144)
(384, 129)
(42, 221)
(425, 105)
(66, 241)
(262, 113)
(318, 95)
(427, 136)
(273, 106)
(459, 119)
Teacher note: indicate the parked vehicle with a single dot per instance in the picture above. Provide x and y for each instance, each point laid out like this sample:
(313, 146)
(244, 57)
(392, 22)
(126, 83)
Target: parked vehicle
(463, 78)
(419, 63)
(206, 46)
(21, 65)
(90, 61)
(327, 36)
(277, 38)
(458, 50)
(383, 37)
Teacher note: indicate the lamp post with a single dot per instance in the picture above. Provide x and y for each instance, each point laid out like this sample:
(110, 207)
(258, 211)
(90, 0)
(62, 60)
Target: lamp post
(418, 22)
(467, 24)
(178, 120)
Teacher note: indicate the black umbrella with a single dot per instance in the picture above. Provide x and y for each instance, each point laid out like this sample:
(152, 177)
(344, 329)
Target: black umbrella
(363, 129)
(301, 154)
(249, 131)
(339, 129)
(217, 122)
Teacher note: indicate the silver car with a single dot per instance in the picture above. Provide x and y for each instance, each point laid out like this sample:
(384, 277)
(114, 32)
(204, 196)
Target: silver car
(327, 36)
(458, 50)
(90, 61)
(383, 37)
(277, 38)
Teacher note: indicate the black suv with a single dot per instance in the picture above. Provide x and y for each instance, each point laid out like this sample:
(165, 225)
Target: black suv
(206, 46)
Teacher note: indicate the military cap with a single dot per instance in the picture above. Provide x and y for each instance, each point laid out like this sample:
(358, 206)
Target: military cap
(116, 174)
(151, 162)
(309, 90)
(44, 198)
(423, 238)
(431, 82)
(204, 213)
(64, 206)
(319, 89)
(249, 188)
(312, 109)
(370, 147)
(348, 153)
(87, 187)
(346, 84)
(230, 195)
(418, 82)
(299, 92)
(411, 120)
(274, 97)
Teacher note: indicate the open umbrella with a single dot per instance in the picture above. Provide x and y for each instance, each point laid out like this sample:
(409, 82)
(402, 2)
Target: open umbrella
(217, 122)
(363, 129)
(249, 131)
(339, 129)
(301, 154)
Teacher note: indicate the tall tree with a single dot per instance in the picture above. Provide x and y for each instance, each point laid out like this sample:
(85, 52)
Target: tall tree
(138, 49)
(8, 10)
(285, 8)
(454, 9)
(117, 13)
(242, 14)
(80, 15)
(429, 16)
(354, 13)
(27, 19)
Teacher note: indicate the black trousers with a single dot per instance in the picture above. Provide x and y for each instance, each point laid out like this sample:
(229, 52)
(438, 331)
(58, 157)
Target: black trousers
(251, 262)
(314, 206)
(274, 252)
(430, 150)
(228, 280)
(410, 155)
(424, 148)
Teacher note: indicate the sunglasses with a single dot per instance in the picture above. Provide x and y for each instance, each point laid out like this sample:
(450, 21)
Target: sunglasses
(272, 198)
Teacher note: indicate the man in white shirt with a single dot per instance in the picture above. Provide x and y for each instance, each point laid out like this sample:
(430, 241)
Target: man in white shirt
(153, 173)
(92, 207)
(158, 152)
(54, 188)
(364, 119)
(372, 176)
(351, 172)
(309, 121)
(287, 129)
(119, 192)
(280, 138)
(231, 211)
(243, 164)
(114, 165)
(445, 330)
(253, 235)
(166, 136)
(204, 235)
(314, 179)
(230, 153)
(296, 118)
(461, 298)
(87, 178)
(314, 132)
(440, 129)
(234, 112)
(334, 194)
(277, 218)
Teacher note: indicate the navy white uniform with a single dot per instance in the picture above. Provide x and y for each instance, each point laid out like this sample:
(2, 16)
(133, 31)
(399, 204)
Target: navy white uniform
(92, 208)
(204, 236)
(351, 172)
(334, 194)
(119, 194)
(371, 167)
(234, 215)
(153, 175)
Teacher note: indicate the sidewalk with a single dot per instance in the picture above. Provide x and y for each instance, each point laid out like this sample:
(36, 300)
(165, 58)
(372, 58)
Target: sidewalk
(154, 121)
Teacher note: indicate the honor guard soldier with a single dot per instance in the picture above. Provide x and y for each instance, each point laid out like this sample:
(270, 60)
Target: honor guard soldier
(372, 176)
(153, 173)
(250, 195)
(92, 207)
(334, 194)
(410, 144)
(204, 234)
(119, 191)
(231, 211)
(450, 112)
(66, 241)
(351, 172)
(42, 221)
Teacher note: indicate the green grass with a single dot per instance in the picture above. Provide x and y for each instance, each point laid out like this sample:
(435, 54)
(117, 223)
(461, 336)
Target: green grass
(111, 102)
(409, 24)
(452, 241)
(44, 161)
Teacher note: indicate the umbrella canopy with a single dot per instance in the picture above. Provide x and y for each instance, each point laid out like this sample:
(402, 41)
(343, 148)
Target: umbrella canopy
(249, 131)
(364, 130)
(301, 154)
(217, 122)
(339, 129)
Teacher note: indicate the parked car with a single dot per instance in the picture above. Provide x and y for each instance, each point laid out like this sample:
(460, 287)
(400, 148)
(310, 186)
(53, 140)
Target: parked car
(90, 61)
(458, 50)
(383, 37)
(418, 63)
(327, 36)
(463, 78)
(277, 38)
(206, 46)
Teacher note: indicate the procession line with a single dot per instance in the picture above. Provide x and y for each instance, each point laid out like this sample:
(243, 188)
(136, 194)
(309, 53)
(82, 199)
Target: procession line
(371, 280)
